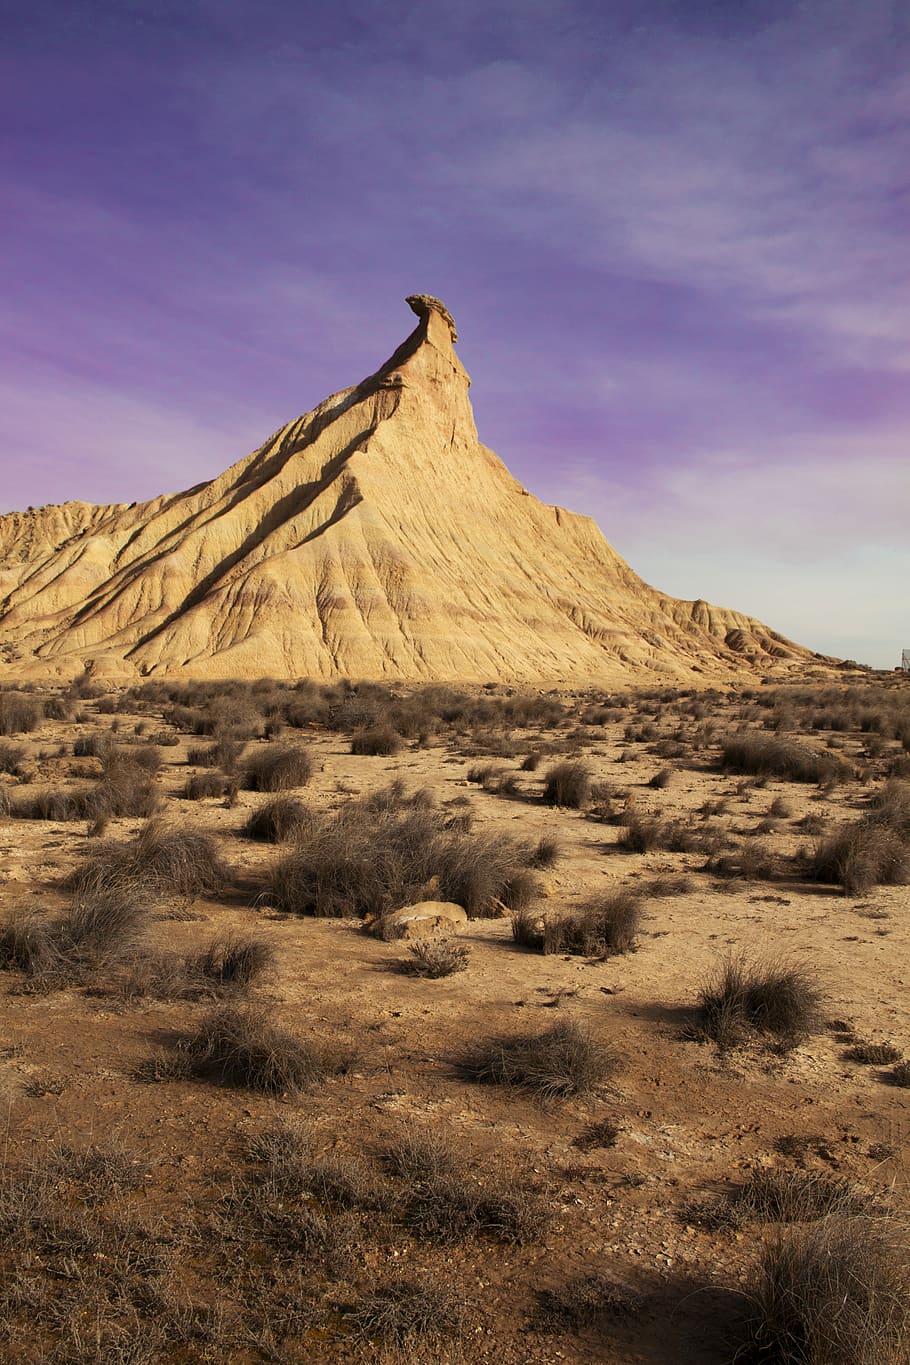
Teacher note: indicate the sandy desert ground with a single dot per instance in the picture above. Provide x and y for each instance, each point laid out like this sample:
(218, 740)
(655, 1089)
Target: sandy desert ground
(383, 1204)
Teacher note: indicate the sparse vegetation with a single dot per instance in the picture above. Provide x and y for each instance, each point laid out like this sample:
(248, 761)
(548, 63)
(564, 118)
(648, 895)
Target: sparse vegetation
(277, 821)
(238, 1045)
(435, 958)
(567, 784)
(762, 755)
(834, 1293)
(278, 768)
(564, 1060)
(774, 998)
(607, 925)
(375, 855)
(377, 741)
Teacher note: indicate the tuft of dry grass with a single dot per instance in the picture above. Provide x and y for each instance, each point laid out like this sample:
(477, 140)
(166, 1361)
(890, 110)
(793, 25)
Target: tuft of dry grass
(278, 768)
(441, 1199)
(165, 861)
(762, 755)
(238, 1045)
(567, 784)
(435, 958)
(584, 1301)
(379, 853)
(607, 925)
(873, 1054)
(376, 741)
(409, 1313)
(277, 821)
(770, 997)
(834, 1293)
(564, 1060)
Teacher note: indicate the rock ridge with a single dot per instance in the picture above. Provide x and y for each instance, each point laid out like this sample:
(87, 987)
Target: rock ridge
(372, 537)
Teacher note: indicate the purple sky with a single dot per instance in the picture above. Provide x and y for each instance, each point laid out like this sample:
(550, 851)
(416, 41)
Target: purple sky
(673, 234)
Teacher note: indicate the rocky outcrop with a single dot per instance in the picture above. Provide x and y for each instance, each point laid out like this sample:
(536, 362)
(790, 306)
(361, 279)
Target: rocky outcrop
(373, 537)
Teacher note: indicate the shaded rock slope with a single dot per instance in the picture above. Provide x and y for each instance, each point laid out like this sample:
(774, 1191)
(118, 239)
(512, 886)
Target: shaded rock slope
(373, 537)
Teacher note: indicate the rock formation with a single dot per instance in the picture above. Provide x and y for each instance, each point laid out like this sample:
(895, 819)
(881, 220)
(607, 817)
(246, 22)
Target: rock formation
(374, 537)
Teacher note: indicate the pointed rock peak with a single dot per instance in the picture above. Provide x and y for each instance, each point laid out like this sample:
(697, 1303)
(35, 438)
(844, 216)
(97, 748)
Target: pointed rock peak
(424, 304)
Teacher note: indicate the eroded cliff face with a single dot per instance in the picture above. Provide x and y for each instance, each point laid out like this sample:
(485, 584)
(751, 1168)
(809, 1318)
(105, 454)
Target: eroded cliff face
(373, 537)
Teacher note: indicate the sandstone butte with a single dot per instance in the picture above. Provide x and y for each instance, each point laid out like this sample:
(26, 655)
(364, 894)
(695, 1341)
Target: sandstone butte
(374, 537)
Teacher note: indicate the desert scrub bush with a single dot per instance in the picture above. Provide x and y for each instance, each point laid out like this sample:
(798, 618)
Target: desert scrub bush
(744, 998)
(203, 786)
(607, 925)
(19, 713)
(161, 863)
(435, 958)
(900, 1075)
(408, 1314)
(785, 1196)
(279, 820)
(376, 741)
(238, 1045)
(441, 1199)
(872, 1054)
(97, 932)
(94, 746)
(761, 755)
(751, 862)
(547, 852)
(567, 784)
(859, 855)
(641, 833)
(584, 1301)
(11, 756)
(834, 1293)
(564, 1060)
(379, 853)
(233, 960)
(278, 768)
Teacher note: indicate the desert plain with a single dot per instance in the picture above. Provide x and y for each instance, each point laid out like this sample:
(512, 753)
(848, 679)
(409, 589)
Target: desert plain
(247, 1122)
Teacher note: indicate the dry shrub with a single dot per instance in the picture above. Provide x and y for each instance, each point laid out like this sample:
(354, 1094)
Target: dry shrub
(238, 1045)
(641, 833)
(582, 1302)
(435, 958)
(873, 1054)
(751, 862)
(202, 786)
(19, 713)
(762, 755)
(861, 854)
(162, 863)
(899, 1075)
(11, 756)
(234, 960)
(777, 998)
(101, 930)
(564, 1060)
(381, 852)
(376, 741)
(567, 784)
(278, 768)
(224, 754)
(607, 925)
(834, 1293)
(443, 1200)
(409, 1313)
(784, 1196)
(547, 853)
(279, 820)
